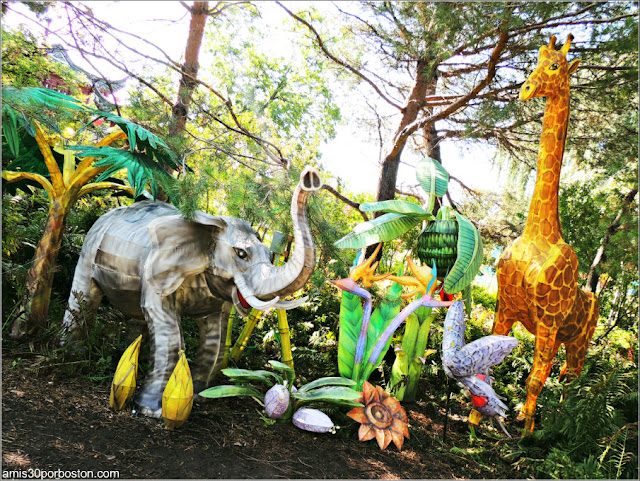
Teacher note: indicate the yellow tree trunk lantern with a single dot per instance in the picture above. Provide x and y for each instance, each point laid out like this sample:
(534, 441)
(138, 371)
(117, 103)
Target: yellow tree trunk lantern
(67, 180)
(63, 190)
(538, 273)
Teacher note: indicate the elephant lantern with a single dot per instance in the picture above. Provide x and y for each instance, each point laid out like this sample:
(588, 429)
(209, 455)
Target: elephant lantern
(153, 264)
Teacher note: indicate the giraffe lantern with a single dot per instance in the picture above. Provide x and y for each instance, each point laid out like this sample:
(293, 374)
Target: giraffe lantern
(538, 273)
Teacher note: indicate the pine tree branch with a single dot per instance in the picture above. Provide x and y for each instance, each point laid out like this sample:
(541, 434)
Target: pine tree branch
(473, 192)
(604, 241)
(411, 194)
(403, 135)
(346, 200)
(222, 6)
(342, 63)
(270, 149)
(280, 159)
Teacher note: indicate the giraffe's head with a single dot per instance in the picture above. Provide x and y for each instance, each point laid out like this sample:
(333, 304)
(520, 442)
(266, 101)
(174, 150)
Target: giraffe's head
(551, 76)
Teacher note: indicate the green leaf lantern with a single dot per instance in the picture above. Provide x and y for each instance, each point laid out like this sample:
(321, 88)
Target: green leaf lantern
(433, 178)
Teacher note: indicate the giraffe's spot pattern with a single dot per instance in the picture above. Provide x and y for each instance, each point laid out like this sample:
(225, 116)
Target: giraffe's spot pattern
(549, 141)
(545, 227)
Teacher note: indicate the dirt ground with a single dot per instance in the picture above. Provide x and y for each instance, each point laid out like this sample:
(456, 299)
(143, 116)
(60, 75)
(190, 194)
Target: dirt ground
(51, 421)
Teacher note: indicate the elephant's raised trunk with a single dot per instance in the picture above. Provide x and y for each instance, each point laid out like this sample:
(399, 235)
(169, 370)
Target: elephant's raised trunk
(267, 281)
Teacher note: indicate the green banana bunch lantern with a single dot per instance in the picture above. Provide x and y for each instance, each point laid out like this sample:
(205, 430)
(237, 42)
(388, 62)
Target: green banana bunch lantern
(449, 242)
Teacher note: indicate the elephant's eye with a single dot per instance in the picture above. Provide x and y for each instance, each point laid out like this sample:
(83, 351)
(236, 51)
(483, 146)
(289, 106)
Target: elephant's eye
(241, 253)
(554, 66)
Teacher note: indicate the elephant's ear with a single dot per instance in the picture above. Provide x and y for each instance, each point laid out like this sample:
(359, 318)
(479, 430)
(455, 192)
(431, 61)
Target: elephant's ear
(179, 248)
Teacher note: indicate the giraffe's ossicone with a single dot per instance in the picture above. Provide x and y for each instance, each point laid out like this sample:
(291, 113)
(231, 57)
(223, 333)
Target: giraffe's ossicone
(538, 273)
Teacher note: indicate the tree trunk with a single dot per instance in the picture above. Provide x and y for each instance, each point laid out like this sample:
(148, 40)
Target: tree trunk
(592, 277)
(40, 276)
(616, 305)
(199, 13)
(432, 141)
(388, 178)
(619, 298)
(432, 149)
(389, 168)
(415, 103)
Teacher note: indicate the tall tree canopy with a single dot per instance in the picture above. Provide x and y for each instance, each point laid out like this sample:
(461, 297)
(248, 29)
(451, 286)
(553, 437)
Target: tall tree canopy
(453, 70)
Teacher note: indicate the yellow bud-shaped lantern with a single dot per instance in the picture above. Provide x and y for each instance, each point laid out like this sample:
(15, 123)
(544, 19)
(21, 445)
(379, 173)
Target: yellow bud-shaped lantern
(124, 380)
(474, 417)
(177, 398)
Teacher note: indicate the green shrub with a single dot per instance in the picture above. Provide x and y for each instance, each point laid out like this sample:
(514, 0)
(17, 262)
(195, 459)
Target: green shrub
(483, 297)
(593, 432)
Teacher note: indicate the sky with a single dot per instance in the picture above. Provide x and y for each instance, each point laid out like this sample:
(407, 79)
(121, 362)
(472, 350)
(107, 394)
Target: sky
(351, 155)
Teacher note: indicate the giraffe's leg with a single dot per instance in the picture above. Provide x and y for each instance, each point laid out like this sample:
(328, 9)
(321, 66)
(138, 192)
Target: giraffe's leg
(502, 323)
(585, 319)
(550, 365)
(208, 360)
(510, 302)
(546, 347)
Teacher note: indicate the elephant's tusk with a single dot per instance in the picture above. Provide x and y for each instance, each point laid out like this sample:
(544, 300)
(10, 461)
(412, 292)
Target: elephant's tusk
(260, 305)
(248, 296)
(291, 304)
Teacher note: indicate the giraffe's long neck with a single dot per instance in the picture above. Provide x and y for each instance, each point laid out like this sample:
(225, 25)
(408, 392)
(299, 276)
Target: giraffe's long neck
(543, 219)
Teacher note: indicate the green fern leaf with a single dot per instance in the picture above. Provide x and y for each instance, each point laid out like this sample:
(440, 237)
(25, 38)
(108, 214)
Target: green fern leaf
(469, 257)
(142, 140)
(22, 98)
(131, 134)
(10, 131)
(350, 321)
(383, 229)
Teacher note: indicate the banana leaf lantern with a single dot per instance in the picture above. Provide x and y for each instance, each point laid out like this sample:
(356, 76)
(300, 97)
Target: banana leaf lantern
(450, 240)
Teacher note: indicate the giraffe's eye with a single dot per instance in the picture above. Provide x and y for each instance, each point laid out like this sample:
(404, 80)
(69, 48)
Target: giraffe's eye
(554, 66)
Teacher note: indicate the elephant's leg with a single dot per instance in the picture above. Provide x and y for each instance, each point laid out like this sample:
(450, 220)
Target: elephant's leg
(213, 331)
(164, 331)
(79, 317)
(545, 349)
